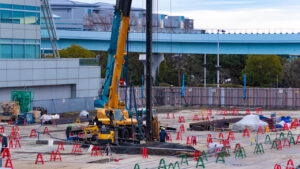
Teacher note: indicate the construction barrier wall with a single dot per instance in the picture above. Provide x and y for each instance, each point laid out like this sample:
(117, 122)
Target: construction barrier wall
(270, 98)
(65, 105)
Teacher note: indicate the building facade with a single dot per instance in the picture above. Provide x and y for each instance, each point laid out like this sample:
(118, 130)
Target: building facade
(20, 29)
(22, 68)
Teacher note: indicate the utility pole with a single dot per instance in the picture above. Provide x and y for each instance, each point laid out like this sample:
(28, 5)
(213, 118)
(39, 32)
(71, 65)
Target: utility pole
(149, 69)
(218, 58)
(204, 66)
(218, 62)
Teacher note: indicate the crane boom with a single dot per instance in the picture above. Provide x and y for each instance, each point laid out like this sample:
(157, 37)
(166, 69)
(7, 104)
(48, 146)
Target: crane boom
(103, 99)
(113, 101)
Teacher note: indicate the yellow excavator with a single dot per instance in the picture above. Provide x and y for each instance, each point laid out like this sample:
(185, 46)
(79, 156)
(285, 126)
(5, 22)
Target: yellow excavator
(112, 123)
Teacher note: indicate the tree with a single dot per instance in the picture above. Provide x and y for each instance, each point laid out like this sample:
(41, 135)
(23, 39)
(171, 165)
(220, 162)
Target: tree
(76, 51)
(263, 70)
(232, 66)
(162, 71)
(291, 74)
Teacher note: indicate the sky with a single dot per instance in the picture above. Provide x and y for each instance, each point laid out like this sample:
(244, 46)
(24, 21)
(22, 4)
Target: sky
(235, 15)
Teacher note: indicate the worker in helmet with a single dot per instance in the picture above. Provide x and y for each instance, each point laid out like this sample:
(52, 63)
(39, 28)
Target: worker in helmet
(162, 135)
(4, 142)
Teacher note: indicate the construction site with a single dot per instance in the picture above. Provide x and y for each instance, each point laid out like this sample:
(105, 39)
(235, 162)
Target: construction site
(57, 119)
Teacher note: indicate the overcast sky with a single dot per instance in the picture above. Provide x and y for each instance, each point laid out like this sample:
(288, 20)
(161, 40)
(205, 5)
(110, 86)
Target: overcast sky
(230, 14)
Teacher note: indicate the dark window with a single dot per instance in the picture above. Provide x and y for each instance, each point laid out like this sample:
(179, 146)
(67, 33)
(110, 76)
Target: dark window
(6, 16)
(18, 17)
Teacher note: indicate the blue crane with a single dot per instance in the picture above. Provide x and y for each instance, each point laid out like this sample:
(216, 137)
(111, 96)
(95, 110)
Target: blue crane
(103, 99)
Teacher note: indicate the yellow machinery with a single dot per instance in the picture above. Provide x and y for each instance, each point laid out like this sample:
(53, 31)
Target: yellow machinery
(113, 123)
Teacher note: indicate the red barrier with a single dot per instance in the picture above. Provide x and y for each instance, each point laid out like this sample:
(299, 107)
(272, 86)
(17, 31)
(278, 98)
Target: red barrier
(286, 143)
(246, 133)
(207, 118)
(231, 135)
(57, 155)
(298, 139)
(2, 129)
(217, 150)
(53, 156)
(294, 124)
(46, 130)
(225, 143)
(11, 144)
(210, 112)
(238, 145)
(259, 110)
(179, 136)
(39, 156)
(17, 144)
(168, 115)
(290, 164)
(8, 164)
(54, 124)
(173, 116)
(25, 122)
(181, 129)
(6, 153)
(260, 130)
(286, 127)
(221, 135)
(209, 139)
(248, 112)
(33, 133)
(279, 145)
(225, 113)
(196, 155)
(188, 140)
(76, 148)
(169, 137)
(94, 151)
(277, 166)
(60, 146)
(145, 152)
(196, 117)
(193, 140)
(10, 122)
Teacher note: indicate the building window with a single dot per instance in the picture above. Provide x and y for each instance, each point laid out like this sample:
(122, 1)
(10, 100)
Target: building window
(30, 18)
(7, 6)
(30, 52)
(18, 6)
(18, 51)
(6, 16)
(31, 8)
(6, 51)
(18, 17)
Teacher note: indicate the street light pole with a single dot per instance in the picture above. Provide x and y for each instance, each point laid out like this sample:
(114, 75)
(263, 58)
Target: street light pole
(218, 61)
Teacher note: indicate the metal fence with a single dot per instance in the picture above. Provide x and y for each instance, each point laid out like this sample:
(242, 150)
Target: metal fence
(270, 98)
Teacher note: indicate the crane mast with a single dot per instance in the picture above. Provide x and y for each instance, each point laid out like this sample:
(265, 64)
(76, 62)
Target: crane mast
(113, 101)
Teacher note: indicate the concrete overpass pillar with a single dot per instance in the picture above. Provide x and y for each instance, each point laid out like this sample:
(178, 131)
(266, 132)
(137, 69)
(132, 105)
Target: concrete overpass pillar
(156, 60)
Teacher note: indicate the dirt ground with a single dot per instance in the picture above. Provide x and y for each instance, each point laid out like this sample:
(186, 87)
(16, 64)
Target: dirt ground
(24, 157)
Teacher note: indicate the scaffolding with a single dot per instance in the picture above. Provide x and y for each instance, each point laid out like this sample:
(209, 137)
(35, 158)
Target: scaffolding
(50, 26)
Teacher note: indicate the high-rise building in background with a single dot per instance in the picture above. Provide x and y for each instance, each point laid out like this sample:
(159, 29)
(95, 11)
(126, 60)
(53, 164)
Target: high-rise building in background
(72, 15)
(20, 29)
(60, 85)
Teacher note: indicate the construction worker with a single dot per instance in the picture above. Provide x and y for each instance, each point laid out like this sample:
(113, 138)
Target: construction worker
(4, 142)
(162, 135)
(69, 128)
